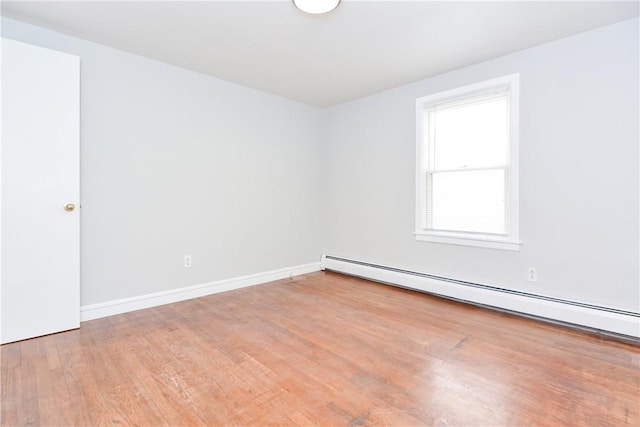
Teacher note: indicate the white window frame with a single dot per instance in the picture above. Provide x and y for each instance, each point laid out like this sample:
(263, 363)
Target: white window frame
(508, 241)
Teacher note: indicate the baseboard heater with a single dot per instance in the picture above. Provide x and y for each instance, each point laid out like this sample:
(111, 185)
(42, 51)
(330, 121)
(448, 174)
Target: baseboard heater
(607, 319)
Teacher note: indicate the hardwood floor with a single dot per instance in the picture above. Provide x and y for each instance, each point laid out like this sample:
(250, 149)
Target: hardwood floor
(320, 349)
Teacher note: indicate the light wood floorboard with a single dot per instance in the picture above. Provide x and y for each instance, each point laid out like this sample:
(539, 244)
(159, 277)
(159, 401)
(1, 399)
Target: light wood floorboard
(320, 349)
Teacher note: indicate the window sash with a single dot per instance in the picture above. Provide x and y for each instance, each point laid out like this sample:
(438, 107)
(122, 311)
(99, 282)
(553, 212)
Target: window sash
(428, 208)
(482, 97)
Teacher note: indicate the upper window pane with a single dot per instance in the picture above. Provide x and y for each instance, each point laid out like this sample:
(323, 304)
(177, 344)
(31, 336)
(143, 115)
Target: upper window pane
(471, 135)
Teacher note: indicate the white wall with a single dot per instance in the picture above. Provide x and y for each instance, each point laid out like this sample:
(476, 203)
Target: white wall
(578, 173)
(175, 162)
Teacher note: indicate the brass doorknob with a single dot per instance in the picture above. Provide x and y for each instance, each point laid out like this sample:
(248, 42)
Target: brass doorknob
(69, 207)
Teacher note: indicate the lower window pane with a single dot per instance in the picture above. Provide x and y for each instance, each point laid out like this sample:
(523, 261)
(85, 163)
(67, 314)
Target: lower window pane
(471, 201)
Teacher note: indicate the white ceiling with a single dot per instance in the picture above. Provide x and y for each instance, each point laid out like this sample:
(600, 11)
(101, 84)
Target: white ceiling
(361, 48)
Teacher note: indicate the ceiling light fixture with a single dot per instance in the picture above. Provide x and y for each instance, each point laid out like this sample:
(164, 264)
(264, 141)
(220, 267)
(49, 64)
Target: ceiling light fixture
(316, 7)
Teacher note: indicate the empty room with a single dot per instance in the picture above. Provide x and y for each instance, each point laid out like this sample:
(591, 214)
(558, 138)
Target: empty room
(320, 213)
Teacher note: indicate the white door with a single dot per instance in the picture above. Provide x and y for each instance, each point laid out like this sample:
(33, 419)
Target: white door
(40, 251)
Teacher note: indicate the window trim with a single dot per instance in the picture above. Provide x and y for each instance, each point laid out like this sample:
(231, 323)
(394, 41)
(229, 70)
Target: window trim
(510, 241)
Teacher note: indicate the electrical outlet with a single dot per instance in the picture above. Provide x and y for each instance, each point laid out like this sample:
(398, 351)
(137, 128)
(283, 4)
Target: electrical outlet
(187, 261)
(532, 274)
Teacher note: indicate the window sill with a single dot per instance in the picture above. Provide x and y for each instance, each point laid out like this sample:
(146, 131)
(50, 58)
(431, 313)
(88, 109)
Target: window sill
(476, 241)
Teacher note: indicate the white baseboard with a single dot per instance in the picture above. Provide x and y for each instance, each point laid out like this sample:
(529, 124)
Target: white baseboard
(110, 308)
(587, 315)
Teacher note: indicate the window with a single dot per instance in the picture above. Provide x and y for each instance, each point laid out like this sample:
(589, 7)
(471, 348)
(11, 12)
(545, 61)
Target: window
(467, 165)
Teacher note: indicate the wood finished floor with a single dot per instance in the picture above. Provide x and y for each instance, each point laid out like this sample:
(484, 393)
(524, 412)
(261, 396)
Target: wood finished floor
(320, 349)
